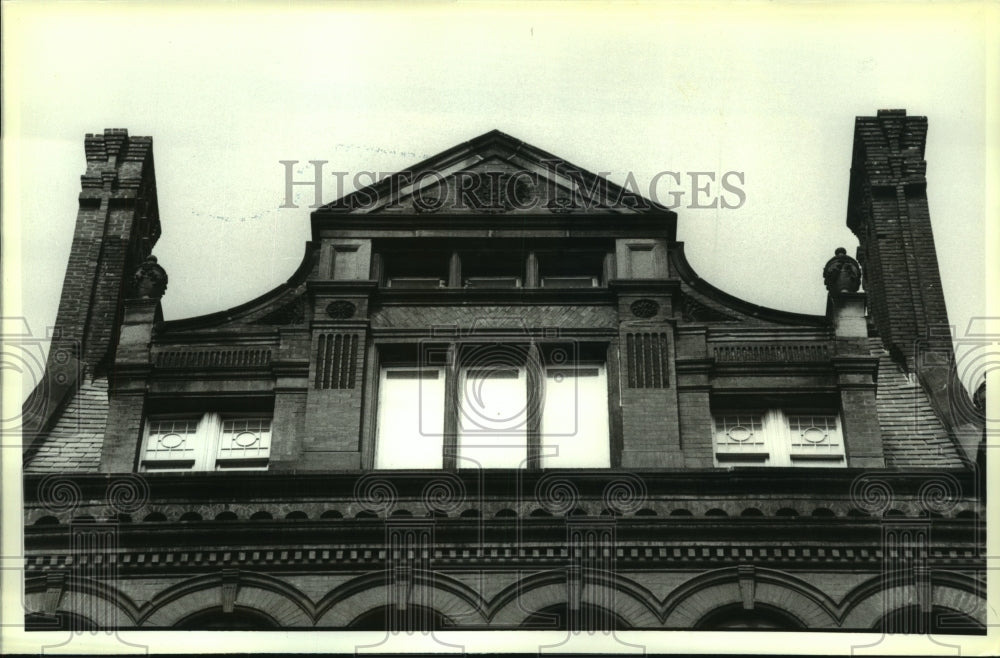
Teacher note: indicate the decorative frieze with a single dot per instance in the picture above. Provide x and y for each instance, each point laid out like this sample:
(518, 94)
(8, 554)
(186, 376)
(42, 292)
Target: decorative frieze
(773, 353)
(213, 358)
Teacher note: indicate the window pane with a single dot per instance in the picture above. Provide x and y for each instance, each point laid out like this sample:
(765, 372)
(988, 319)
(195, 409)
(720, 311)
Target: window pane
(410, 418)
(171, 440)
(244, 439)
(492, 419)
(575, 418)
(740, 436)
(815, 437)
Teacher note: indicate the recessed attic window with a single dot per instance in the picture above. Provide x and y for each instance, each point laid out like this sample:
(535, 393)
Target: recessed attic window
(492, 268)
(571, 268)
(409, 269)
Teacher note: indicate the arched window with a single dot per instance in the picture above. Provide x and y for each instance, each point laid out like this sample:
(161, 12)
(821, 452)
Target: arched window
(939, 621)
(390, 617)
(560, 618)
(735, 618)
(240, 619)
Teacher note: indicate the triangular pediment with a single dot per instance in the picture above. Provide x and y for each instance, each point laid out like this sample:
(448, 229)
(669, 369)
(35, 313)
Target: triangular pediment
(494, 174)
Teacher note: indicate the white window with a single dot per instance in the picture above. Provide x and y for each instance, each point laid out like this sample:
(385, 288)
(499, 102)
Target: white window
(778, 438)
(493, 417)
(507, 413)
(410, 418)
(575, 418)
(209, 442)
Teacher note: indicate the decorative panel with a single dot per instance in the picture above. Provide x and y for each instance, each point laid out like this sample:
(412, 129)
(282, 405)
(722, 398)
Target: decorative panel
(647, 355)
(336, 361)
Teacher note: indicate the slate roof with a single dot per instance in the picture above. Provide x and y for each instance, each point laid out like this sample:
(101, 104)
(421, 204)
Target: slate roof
(74, 442)
(912, 434)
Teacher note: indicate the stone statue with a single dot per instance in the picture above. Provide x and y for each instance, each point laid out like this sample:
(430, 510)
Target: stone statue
(842, 273)
(150, 280)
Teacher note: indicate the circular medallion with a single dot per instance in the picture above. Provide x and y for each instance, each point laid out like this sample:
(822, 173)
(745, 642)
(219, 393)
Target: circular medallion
(341, 309)
(644, 308)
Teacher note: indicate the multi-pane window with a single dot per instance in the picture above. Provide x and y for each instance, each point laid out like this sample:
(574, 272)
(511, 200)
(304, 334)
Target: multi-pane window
(508, 411)
(778, 437)
(206, 442)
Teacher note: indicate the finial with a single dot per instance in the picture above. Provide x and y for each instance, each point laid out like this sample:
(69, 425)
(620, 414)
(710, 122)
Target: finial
(842, 274)
(150, 280)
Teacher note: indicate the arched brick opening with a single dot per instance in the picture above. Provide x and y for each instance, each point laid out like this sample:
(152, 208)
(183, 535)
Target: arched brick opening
(691, 603)
(445, 597)
(256, 593)
(631, 605)
(239, 618)
(871, 603)
(735, 617)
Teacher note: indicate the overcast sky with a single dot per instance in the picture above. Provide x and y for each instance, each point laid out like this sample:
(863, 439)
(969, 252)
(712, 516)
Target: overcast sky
(227, 92)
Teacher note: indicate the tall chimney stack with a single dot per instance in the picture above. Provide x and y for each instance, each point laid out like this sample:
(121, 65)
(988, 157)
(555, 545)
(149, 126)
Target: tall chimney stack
(887, 210)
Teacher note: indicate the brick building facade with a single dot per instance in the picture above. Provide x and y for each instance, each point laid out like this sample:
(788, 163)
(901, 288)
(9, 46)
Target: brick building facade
(496, 395)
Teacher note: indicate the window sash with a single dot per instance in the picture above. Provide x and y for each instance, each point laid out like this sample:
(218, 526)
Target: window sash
(401, 441)
(777, 438)
(211, 441)
(575, 432)
(493, 416)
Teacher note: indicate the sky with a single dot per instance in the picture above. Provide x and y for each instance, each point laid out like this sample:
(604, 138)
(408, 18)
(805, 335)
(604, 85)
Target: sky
(768, 90)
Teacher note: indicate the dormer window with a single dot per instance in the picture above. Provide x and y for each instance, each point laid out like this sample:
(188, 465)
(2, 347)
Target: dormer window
(778, 437)
(206, 442)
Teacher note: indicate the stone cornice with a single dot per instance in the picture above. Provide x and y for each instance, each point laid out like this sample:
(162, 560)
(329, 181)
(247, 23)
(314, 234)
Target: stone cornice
(503, 483)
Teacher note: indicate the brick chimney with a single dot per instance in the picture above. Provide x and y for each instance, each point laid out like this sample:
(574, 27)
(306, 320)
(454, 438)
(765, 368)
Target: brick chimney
(887, 210)
(116, 227)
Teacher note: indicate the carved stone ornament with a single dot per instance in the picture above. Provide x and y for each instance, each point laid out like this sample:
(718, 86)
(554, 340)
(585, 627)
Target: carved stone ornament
(427, 204)
(644, 308)
(842, 273)
(340, 309)
(150, 280)
(561, 205)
